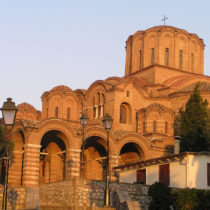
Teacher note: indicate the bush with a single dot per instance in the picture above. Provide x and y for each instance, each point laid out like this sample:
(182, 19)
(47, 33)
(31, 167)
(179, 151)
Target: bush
(192, 199)
(161, 196)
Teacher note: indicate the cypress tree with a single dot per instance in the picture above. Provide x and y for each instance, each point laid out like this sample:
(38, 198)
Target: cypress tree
(194, 123)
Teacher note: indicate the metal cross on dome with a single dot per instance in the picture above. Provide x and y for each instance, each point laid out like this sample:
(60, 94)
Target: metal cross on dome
(164, 19)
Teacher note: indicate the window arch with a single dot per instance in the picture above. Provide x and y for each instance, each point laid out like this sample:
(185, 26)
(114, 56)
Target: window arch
(125, 113)
(152, 55)
(140, 59)
(192, 62)
(94, 108)
(166, 56)
(154, 126)
(166, 128)
(68, 113)
(180, 59)
(56, 112)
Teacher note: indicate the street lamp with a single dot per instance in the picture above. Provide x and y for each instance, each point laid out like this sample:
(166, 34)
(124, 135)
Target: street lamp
(9, 111)
(83, 122)
(107, 123)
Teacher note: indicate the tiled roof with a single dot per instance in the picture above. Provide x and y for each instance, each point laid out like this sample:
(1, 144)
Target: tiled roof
(159, 160)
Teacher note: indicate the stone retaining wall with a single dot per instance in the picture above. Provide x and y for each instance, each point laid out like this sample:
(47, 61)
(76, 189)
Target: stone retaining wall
(85, 193)
(16, 198)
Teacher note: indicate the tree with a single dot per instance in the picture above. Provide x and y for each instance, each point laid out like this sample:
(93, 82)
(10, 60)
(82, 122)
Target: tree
(161, 196)
(193, 123)
(5, 143)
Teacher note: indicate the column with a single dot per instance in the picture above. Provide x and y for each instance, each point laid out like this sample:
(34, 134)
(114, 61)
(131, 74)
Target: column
(31, 165)
(15, 169)
(73, 163)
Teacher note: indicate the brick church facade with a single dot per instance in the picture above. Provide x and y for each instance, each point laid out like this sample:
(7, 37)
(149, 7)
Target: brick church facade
(163, 64)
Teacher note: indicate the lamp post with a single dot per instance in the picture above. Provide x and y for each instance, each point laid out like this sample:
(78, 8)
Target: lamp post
(107, 123)
(9, 111)
(83, 122)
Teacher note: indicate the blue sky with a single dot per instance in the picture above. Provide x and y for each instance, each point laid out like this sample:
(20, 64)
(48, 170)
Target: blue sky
(45, 43)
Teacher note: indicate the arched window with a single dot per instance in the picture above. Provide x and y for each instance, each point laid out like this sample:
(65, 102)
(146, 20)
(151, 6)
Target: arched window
(56, 112)
(103, 102)
(166, 128)
(192, 62)
(180, 59)
(140, 59)
(123, 114)
(68, 113)
(144, 128)
(154, 126)
(47, 112)
(166, 57)
(152, 55)
(99, 105)
(94, 108)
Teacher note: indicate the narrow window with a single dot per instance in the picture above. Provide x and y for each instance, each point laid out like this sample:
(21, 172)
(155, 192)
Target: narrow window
(166, 56)
(56, 112)
(141, 176)
(123, 114)
(140, 59)
(180, 59)
(127, 93)
(68, 113)
(94, 108)
(154, 126)
(103, 102)
(208, 174)
(192, 62)
(166, 128)
(144, 127)
(99, 110)
(99, 105)
(164, 174)
(152, 55)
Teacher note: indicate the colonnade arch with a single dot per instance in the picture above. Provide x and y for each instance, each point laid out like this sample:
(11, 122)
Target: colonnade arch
(16, 166)
(52, 157)
(95, 152)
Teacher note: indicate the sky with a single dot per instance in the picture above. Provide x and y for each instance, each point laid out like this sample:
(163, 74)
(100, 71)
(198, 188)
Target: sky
(45, 43)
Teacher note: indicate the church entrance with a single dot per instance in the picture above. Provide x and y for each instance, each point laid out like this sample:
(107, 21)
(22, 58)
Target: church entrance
(52, 157)
(94, 158)
(130, 153)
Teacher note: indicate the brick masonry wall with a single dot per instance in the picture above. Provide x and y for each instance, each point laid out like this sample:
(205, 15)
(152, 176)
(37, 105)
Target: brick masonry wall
(85, 193)
(16, 198)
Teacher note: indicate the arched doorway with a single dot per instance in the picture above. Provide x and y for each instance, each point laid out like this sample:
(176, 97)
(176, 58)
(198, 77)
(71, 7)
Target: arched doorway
(52, 157)
(16, 167)
(94, 158)
(130, 153)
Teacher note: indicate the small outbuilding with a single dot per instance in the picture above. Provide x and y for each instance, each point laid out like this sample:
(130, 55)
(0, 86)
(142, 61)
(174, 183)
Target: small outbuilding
(184, 170)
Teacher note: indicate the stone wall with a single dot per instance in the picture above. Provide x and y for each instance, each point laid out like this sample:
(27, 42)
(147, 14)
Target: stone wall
(16, 198)
(87, 193)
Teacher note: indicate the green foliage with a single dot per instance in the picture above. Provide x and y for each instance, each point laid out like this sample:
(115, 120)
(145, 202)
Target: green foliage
(193, 123)
(161, 196)
(5, 142)
(192, 199)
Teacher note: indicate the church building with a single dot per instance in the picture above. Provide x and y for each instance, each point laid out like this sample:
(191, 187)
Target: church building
(163, 65)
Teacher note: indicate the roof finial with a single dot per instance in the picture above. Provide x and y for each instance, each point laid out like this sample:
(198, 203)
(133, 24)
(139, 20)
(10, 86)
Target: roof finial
(164, 19)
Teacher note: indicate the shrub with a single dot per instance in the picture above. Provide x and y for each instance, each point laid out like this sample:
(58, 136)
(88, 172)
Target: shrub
(161, 196)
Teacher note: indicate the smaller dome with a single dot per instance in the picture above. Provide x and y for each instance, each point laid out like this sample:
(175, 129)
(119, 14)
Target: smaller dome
(62, 88)
(25, 106)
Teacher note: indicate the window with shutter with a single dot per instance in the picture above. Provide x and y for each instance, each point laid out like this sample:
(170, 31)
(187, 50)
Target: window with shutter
(208, 174)
(164, 174)
(141, 176)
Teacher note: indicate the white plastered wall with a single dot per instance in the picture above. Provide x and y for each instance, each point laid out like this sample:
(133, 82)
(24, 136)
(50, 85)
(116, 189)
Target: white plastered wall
(197, 171)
